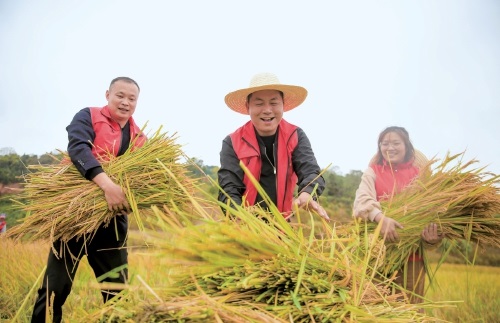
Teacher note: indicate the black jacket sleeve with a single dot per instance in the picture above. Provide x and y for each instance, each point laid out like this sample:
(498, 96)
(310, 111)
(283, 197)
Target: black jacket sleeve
(306, 167)
(81, 135)
(230, 174)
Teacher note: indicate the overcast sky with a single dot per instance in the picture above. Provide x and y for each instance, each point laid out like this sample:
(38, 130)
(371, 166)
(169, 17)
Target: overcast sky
(432, 67)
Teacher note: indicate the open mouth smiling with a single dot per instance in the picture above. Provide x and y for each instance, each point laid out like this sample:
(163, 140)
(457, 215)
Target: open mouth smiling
(267, 119)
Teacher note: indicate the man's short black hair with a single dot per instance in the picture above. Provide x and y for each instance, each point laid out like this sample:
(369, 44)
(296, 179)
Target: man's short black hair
(124, 79)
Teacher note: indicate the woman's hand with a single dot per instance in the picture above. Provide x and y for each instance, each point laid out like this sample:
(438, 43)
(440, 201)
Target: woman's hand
(430, 234)
(388, 227)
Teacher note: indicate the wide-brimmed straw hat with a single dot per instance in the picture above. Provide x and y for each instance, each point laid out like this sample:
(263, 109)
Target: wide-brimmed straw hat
(293, 95)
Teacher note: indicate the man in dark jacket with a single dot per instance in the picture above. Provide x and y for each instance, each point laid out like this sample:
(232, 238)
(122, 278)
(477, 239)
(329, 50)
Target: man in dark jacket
(94, 134)
(277, 153)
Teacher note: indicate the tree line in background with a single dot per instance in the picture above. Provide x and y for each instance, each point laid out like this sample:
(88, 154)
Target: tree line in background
(13, 166)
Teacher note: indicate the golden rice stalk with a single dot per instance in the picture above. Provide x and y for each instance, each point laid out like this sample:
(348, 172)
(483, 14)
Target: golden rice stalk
(62, 204)
(203, 309)
(464, 202)
(229, 267)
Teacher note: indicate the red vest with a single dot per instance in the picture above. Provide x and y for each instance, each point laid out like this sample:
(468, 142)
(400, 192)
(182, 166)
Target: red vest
(108, 134)
(391, 181)
(246, 147)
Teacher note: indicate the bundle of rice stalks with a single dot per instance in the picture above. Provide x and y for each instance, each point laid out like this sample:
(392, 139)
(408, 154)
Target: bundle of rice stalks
(231, 268)
(203, 308)
(241, 268)
(463, 201)
(62, 204)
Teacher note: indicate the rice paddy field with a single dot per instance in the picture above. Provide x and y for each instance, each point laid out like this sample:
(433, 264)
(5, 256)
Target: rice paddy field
(474, 290)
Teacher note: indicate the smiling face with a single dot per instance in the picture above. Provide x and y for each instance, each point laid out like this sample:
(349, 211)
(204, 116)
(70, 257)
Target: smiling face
(122, 99)
(266, 111)
(393, 148)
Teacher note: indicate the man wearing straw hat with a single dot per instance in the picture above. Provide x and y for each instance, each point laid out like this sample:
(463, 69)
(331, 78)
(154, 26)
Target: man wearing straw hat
(95, 134)
(278, 154)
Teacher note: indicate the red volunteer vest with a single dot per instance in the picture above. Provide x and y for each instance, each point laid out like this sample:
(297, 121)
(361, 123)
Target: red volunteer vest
(108, 134)
(392, 181)
(246, 147)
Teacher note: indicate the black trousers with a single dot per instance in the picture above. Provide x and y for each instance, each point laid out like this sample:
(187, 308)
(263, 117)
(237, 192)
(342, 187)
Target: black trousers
(106, 253)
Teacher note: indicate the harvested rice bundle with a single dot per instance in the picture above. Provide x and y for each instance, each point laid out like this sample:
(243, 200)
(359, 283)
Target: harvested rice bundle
(62, 204)
(203, 308)
(464, 202)
(228, 268)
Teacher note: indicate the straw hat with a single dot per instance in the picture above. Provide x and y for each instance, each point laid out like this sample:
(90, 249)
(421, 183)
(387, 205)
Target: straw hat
(293, 95)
